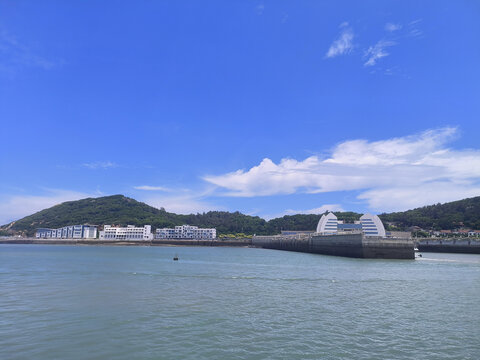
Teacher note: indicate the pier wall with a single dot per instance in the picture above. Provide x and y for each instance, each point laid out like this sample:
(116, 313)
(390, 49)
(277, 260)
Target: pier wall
(350, 245)
(171, 242)
(388, 248)
(465, 246)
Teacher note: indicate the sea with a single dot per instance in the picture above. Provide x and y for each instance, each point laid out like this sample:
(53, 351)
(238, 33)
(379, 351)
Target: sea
(134, 302)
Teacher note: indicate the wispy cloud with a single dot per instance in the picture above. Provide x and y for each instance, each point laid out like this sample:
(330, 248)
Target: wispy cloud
(420, 166)
(100, 165)
(15, 207)
(260, 8)
(413, 29)
(378, 51)
(15, 54)
(343, 44)
(393, 33)
(182, 204)
(152, 188)
(391, 27)
(316, 211)
(182, 200)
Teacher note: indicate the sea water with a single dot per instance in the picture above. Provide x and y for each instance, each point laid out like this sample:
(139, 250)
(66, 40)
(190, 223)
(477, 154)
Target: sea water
(108, 302)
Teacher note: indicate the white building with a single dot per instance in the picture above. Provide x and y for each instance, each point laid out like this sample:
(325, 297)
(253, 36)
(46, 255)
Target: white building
(68, 232)
(185, 232)
(126, 233)
(328, 224)
(372, 225)
(369, 224)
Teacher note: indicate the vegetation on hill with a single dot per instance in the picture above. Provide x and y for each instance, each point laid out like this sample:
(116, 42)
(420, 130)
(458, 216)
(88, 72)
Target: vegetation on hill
(122, 211)
(448, 216)
(305, 222)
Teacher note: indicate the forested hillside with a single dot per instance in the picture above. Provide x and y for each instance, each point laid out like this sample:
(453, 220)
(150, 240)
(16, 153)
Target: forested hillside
(452, 215)
(121, 210)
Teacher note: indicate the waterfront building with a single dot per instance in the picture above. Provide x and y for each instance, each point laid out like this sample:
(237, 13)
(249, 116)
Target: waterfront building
(185, 232)
(68, 232)
(328, 224)
(372, 225)
(126, 233)
(346, 227)
(369, 224)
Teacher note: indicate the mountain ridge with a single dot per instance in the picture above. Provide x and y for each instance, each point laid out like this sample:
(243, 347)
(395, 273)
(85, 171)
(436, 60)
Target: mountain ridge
(122, 210)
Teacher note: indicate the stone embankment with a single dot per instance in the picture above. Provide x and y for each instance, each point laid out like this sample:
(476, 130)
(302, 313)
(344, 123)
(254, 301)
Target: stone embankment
(463, 245)
(171, 242)
(349, 244)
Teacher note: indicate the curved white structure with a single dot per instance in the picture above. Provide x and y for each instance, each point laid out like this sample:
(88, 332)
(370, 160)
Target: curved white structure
(372, 225)
(328, 224)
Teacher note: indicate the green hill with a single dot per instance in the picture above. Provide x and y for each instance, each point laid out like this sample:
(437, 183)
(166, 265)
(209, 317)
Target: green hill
(452, 215)
(305, 222)
(121, 210)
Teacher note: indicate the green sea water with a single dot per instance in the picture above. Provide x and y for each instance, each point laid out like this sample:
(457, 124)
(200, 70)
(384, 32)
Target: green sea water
(100, 302)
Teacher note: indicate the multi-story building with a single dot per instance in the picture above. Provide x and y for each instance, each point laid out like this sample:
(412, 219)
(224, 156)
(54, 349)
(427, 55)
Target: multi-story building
(126, 233)
(68, 232)
(185, 232)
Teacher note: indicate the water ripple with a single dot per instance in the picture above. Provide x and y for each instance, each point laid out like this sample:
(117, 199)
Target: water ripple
(227, 303)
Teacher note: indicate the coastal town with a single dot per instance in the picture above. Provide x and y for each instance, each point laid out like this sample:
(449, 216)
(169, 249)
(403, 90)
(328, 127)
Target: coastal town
(365, 237)
(130, 232)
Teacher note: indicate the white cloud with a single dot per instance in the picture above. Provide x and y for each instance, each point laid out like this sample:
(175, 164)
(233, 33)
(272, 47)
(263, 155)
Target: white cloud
(343, 44)
(184, 201)
(15, 54)
(316, 211)
(152, 188)
(182, 204)
(413, 30)
(378, 51)
(381, 170)
(100, 165)
(18, 206)
(319, 210)
(409, 197)
(260, 9)
(391, 27)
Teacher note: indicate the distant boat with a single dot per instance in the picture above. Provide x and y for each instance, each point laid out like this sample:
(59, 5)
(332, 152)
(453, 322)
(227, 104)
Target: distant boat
(175, 258)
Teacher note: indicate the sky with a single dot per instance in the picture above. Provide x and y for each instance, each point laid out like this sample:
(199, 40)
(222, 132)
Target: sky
(269, 108)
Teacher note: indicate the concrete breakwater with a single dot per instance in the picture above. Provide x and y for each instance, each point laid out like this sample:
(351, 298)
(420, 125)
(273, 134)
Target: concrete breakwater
(465, 246)
(192, 242)
(355, 245)
(170, 242)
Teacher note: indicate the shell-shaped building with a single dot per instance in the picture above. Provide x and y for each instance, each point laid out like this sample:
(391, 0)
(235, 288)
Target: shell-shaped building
(328, 224)
(372, 225)
(369, 224)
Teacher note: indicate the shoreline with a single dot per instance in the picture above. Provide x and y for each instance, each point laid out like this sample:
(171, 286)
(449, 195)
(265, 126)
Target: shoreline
(179, 242)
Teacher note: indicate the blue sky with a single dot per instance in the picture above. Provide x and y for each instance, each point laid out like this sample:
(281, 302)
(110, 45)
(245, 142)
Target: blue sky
(265, 107)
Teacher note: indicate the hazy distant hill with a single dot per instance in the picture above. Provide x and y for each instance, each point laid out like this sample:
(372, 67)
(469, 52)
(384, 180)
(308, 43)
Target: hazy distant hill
(121, 210)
